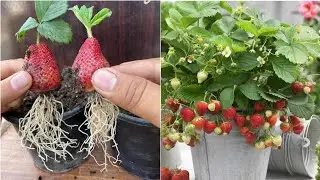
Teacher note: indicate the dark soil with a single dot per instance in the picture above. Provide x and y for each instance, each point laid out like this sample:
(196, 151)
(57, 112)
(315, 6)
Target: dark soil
(70, 93)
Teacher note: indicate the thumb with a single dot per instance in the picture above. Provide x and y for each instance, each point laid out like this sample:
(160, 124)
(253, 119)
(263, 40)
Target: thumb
(133, 93)
(13, 87)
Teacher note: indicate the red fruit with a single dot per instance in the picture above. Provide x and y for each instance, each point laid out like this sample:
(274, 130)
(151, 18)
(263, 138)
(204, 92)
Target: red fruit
(217, 107)
(296, 87)
(258, 106)
(256, 121)
(273, 119)
(167, 143)
(283, 118)
(88, 60)
(192, 142)
(239, 120)
(172, 104)
(226, 127)
(230, 113)
(279, 105)
(244, 130)
(199, 123)
(250, 137)
(298, 128)
(177, 177)
(295, 120)
(285, 127)
(169, 118)
(201, 107)
(165, 173)
(40, 63)
(209, 126)
(184, 174)
(187, 114)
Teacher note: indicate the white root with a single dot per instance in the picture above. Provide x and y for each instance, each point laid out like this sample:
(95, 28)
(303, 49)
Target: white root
(101, 120)
(41, 129)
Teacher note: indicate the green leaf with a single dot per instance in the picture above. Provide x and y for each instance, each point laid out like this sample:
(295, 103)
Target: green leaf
(272, 23)
(100, 16)
(175, 15)
(268, 97)
(277, 95)
(245, 62)
(227, 97)
(267, 31)
(287, 34)
(223, 25)
(250, 90)
(241, 100)
(226, 80)
(222, 40)
(284, 69)
(56, 30)
(248, 26)
(240, 35)
(84, 15)
(238, 46)
(313, 48)
(226, 6)
(29, 24)
(191, 93)
(200, 32)
(298, 100)
(198, 9)
(295, 52)
(49, 10)
(306, 34)
(303, 110)
(171, 35)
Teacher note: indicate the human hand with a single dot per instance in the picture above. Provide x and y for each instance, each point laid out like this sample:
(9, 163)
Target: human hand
(14, 83)
(134, 86)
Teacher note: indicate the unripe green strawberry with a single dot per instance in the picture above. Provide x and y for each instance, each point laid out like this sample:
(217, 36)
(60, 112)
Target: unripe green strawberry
(218, 130)
(260, 145)
(175, 83)
(174, 137)
(277, 140)
(306, 90)
(186, 138)
(202, 76)
(190, 128)
(266, 126)
(268, 113)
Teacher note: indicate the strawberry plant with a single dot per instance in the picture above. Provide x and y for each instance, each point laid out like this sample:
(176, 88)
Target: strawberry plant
(40, 128)
(240, 66)
(100, 113)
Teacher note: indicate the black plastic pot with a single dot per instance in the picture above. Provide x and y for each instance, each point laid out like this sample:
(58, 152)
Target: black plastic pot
(138, 143)
(73, 117)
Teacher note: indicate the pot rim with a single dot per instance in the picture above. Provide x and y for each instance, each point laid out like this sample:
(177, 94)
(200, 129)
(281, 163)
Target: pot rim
(134, 120)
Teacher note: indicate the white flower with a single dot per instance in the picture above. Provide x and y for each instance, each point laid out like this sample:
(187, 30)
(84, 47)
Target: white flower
(226, 52)
(252, 51)
(206, 45)
(261, 60)
(182, 60)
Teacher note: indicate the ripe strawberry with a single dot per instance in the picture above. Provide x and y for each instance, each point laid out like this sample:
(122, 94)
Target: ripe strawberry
(172, 104)
(250, 137)
(279, 105)
(256, 121)
(167, 143)
(229, 113)
(177, 177)
(273, 119)
(283, 118)
(226, 127)
(165, 173)
(169, 119)
(285, 127)
(187, 114)
(258, 106)
(294, 120)
(244, 130)
(297, 129)
(296, 87)
(41, 65)
(209, 126)
(239, 120)
(184, 174)
(199, 123)
(201, 107)
(90, 57)
(214, 106)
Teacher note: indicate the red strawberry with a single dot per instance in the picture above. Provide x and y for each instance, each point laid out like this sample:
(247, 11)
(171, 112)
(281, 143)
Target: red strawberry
(201, 107)
(250, 137)
(283, 118)
(226, 127)
(285, 127)
(192, 142)
(229, 113)
(244, 130)
(184, 174)
(187, 114)
(258, 106)
(165, 173)
(41, 65)
(279, 105)
(273, 119)
(90, 57)
(214, 106)
(172, 104)
(169, 118)
(199, 123)
(295, 120)
(296, 87)
(209, 126)
(239, 120)
(256, 121)
(177, 177)
(298, 128)
(167, 143)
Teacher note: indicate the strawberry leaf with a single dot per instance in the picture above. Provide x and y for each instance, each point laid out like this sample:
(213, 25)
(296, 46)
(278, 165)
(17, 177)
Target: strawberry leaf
(295, 52)
(56, 30)
(101, 15)
(284, 69)
(49, 10)
(250, 90)
(227, 97)
(29, 24)
(190, 93)
(305, 110)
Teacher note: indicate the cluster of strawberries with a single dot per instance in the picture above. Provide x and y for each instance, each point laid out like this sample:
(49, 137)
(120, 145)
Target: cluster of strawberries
(174, 174)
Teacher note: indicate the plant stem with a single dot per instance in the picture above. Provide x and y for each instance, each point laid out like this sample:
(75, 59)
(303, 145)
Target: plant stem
(38, 38)
(89, 32)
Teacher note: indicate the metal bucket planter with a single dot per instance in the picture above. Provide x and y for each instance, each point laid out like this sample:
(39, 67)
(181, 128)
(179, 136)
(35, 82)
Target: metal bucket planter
(72, 117)
(298, 152)
(228, 157)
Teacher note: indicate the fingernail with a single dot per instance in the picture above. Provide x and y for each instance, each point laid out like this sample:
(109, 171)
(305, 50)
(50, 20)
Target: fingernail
(104, 80)
(19, 81)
